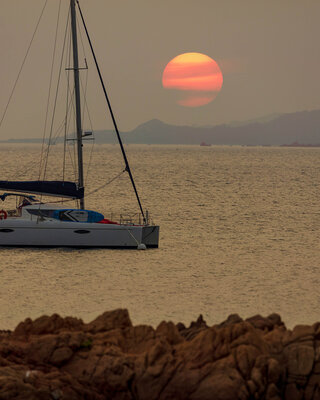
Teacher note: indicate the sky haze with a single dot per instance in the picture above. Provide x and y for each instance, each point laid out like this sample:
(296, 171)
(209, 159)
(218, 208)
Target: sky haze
(267, 50)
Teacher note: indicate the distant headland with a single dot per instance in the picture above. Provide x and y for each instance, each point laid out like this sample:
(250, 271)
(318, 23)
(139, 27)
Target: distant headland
(295, 129)
(297, 144)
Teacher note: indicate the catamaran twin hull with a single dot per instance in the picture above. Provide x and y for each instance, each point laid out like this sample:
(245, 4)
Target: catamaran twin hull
(15, 232)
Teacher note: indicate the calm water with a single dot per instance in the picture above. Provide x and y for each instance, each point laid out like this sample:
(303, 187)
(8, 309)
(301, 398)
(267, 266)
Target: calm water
(240, 233)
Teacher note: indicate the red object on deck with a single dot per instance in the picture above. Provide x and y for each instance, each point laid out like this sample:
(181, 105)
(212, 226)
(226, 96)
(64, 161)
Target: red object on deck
(107, 221)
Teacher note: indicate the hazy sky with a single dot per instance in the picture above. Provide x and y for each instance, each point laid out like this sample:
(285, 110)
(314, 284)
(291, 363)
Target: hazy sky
(268, 52)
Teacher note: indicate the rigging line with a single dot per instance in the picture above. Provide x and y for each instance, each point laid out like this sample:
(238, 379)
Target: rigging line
(72, 105)
(42, 159)
(22, 65)
(95, 190)
(105, 184)
(65, 129)
(75, 132)
(68, 53)
(56, 136)
(67, 109)
(86, 108)
(19, 172)
(49, 92)
(68, 105)
(55, 102)
(57, 132)
(72, 158)
(80, 34)
(66, 125)
(62, 124)
(84, 89)
(90, 159)
(111, 113)
(85, 59)
(72, 121)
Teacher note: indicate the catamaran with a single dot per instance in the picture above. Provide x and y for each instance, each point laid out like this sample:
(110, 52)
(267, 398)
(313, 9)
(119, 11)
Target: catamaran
(44, 224)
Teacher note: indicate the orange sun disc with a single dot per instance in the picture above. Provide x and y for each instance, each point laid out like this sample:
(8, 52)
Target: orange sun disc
(196, 76)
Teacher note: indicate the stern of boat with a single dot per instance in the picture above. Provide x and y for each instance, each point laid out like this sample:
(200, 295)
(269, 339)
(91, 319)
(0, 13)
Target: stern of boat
(150, 236)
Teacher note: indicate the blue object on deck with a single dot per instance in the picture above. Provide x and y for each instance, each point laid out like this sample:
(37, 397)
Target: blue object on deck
(76, 215)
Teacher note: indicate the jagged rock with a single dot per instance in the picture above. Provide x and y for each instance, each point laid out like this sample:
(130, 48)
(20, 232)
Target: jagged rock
(170, 332)
(108, 358)
(45, 324)
(110, 320)
(232, 319)
(268, 323)
(194, 329)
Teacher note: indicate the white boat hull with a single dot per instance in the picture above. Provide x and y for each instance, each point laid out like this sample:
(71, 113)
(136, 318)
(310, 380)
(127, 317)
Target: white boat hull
(49, 233)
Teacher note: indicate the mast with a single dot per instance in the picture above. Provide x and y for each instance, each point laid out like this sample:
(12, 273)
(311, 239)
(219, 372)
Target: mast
(77, 96)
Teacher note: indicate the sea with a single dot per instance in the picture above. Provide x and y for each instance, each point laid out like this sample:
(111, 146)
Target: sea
(239, 233)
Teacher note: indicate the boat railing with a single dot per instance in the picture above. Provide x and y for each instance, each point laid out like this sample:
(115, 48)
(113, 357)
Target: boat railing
(134, 219)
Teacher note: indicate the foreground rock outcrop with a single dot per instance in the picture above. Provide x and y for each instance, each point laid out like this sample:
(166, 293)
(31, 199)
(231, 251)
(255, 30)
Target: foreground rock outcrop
(109, 358)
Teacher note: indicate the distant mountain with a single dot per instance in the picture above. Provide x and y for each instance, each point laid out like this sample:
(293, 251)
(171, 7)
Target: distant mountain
(265, 118)
(300, 127)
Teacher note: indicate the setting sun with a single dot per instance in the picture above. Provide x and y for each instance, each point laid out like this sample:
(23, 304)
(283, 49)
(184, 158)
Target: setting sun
(196, 76)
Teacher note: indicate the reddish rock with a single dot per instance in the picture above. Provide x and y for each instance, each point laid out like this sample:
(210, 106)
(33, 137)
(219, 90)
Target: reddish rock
(60, 356)
(64, 358)
(110, 320)
(45, 324)
(170, 332)
(195, 327)
(300, 333)
(232, 319)
(300, 359)
(265, 324)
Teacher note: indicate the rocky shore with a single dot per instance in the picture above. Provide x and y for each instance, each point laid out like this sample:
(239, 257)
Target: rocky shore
(109, 358)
